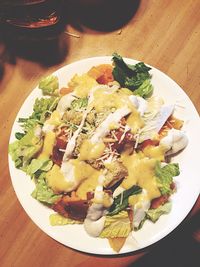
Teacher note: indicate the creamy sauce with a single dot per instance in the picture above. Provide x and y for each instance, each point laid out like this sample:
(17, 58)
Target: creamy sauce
(175, 141)
(58, 182)
(156, 152)
(65, 102)
(52, 122)
(89, 150)
(135, 122)
(100, 196)
(101, 88)
(141, 204)
(94, 222)
(70, 175)
(165, 112)
(82, 84)
(89, 184)
(94, 228)
(49, 141)
(106, 99)
(118, 191)
(104, 128)
(141, 172)
(72, 142)
(139, 103)
(154, 122)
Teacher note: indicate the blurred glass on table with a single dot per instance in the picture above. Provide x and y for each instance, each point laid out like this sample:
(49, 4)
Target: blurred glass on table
(30, 13)
(33, 29)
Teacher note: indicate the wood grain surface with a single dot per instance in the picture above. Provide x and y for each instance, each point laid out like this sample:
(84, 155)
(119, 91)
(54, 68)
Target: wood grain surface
(165, 34)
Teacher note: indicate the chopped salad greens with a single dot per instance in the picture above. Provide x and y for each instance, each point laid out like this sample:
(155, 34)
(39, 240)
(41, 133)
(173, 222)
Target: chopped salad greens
(49, 85)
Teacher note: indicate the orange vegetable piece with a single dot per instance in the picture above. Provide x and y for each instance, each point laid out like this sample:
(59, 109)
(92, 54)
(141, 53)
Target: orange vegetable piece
(117, 243)
(94, 73)
(175, 123)
(172, 122)
(102, 73)
(65, 90)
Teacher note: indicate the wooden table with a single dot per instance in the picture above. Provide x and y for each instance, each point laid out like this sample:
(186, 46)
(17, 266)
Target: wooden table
(165, 34)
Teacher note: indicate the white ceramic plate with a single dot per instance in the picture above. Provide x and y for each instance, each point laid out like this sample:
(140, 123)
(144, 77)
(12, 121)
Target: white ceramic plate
(188, 182)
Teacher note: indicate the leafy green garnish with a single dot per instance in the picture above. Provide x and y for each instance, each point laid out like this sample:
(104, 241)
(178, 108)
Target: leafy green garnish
(132, 76)
(121, 201)
(165, 176)
(42, 192)
(49, 85)
(154, 214)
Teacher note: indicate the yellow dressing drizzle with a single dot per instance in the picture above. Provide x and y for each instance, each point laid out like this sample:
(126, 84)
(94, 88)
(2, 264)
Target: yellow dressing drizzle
(48, 145)
(156, 152)
(80, 171)
(57, 181)
(135, 121)
(82, 84)
(55, 118)
(90, 151)
(89, 184)
(105, 99)
(141, 172)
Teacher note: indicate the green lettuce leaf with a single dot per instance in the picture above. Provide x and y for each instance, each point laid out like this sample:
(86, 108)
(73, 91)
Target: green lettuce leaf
(145, 90)
(154, 214)
(121, 201)
(57, 219)
(165, 176)
(19, 135)
(116, 226)
(42, 192)
(41, 109)
(131, 76)
(22, 151)
(39, 165)
(49, 85)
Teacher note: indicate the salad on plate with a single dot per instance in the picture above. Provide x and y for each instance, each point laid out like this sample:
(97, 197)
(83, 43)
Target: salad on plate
(99, 150)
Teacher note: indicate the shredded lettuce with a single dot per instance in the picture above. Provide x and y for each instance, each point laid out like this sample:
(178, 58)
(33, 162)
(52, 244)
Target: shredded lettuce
(57, 219)
(165, 176)
(116, 226)
(22, 151)
(39, 165)
(41, 109)
(49, 85)
(42, 192)
(145, 90)
(154, 214)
